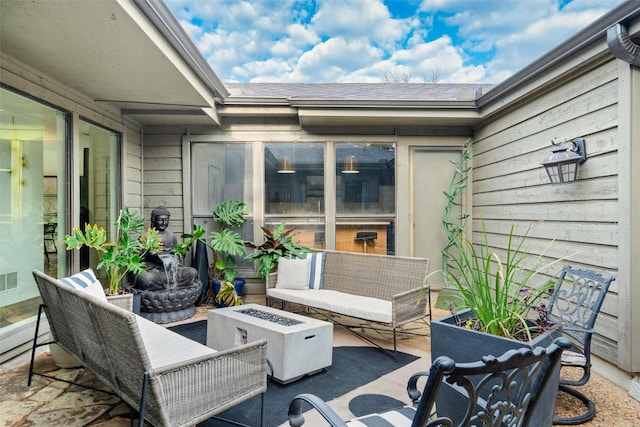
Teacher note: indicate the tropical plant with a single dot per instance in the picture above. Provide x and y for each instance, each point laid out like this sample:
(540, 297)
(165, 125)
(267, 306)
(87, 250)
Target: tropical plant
(124, 254)
(228, 294)
(275, 244)
(498, 291)
(226, 243)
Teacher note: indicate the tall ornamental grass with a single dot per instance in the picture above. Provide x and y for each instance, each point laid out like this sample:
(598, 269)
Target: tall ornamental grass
(498, 291)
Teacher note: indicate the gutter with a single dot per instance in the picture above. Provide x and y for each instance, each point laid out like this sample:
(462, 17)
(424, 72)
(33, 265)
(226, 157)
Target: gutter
(336, 103)
(166, 23)
(622, 46)
(381, 103)
(626, 11)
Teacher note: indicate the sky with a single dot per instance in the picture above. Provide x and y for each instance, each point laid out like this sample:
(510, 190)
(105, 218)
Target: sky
(376, 41)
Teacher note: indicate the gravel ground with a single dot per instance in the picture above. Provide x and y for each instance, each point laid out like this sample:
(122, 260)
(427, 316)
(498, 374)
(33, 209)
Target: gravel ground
(614, 406)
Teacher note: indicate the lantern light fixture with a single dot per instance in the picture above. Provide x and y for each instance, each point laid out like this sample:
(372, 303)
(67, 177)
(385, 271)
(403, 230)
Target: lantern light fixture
(562, 166)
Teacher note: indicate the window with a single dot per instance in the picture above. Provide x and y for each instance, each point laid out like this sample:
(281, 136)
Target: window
(294, 186)
(365, 198)
(32, 203)
(222, 172)
(99, 185)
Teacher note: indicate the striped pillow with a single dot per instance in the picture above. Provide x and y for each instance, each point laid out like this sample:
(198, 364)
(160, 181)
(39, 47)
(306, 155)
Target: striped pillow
(86, 281)
(315, 270)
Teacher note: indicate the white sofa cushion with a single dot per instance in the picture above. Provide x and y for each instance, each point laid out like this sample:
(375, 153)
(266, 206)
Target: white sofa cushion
(86, 281)
(165, 347)
(368, 308)
(293, 273)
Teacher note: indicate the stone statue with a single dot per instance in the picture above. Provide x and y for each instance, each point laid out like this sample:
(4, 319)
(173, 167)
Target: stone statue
(164, 269)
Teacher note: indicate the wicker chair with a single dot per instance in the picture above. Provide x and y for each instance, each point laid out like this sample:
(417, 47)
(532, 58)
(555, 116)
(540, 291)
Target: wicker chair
(502, 391)
(575, 304)
(170, 380)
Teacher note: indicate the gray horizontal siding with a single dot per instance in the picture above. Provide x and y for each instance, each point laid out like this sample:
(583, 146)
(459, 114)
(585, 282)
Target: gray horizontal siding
(578, 221)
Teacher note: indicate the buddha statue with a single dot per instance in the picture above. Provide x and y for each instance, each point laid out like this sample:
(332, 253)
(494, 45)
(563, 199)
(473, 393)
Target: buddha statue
(165, 270)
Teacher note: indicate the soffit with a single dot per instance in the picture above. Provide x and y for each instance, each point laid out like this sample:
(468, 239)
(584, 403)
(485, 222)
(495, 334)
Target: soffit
(98, 49)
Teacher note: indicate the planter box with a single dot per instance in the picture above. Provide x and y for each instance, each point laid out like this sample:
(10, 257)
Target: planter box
(122, 300)
(466, 345)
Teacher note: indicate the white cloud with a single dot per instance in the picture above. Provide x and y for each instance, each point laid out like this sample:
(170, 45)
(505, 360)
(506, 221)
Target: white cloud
(358, 40)
(357, 18)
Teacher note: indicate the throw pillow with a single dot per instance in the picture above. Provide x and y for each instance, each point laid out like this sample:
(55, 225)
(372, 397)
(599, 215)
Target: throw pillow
(293, 273)
(315, 270)
(86, 281)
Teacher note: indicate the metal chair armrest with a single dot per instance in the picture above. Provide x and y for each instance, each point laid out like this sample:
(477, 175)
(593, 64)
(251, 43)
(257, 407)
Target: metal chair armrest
(295, 410)
(412, 386)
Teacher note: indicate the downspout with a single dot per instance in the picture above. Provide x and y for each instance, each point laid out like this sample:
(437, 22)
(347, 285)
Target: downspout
(622, 46)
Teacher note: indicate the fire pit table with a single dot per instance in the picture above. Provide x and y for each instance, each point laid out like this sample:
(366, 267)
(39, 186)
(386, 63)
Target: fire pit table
(297, 345)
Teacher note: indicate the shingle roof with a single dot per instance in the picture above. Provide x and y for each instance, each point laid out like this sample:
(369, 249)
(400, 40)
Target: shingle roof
(360, 91)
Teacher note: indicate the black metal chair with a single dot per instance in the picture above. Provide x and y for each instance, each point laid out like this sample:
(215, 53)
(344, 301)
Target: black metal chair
(499, 391)
(575, 304)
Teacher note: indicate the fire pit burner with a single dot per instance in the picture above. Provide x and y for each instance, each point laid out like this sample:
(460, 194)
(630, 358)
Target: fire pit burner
(280, 320)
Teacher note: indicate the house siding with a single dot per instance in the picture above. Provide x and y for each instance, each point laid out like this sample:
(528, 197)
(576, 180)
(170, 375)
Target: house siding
(162, 177)
(579, 221)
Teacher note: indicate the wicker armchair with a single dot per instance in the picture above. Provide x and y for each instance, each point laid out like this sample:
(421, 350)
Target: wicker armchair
(510, 385)
(170, 380)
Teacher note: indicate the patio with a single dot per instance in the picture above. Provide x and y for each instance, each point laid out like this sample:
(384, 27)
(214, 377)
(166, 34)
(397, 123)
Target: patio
(47, 403)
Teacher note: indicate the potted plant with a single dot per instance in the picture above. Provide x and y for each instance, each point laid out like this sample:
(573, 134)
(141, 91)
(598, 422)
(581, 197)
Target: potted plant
(275, 244)
(227, 244)
(497, 295)
(123, 255)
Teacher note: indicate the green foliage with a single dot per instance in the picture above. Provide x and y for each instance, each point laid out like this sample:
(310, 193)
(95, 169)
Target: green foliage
(189, 239)
(227, 244)
(123, 255)
(275, 244)
(454, 224)
(498, 291)
(231, 213)
(227, 294)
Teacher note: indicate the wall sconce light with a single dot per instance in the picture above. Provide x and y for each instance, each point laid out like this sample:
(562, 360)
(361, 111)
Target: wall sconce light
(562, 165)
(350, 165)
(286, 166)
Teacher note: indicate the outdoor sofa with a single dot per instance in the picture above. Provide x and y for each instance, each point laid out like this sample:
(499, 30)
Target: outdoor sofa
(389, 290)
(169, 379)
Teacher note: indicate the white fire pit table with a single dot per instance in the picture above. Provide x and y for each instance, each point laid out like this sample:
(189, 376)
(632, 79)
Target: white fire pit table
(296, 345)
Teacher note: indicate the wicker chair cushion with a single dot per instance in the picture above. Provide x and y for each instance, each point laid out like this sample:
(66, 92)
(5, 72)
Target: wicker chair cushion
(293, 273)
(165, 347)
(86, 281)
(373, 309)
(401, 417)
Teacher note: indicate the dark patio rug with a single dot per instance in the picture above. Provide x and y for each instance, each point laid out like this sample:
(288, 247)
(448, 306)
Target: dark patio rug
(352, 367)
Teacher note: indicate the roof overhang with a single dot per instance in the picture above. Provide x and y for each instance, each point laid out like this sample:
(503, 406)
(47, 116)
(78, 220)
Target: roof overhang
(343, 112)
(129, 54)
(398, 117)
